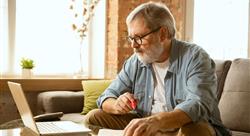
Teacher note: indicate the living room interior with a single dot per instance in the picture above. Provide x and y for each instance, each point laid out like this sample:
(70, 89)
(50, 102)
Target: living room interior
(77, 47)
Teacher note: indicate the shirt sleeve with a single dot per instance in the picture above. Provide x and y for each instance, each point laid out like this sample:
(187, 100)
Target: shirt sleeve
(201, 86)
(122, 83)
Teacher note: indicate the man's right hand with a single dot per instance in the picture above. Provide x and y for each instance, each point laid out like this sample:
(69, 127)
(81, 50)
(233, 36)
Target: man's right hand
(121, 105)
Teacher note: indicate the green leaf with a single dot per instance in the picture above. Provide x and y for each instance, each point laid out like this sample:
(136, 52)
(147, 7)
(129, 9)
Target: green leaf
(27, 63)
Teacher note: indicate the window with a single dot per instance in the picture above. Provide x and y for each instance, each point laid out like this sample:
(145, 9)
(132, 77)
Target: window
(43, 33)
(221, 27)
(3, 35)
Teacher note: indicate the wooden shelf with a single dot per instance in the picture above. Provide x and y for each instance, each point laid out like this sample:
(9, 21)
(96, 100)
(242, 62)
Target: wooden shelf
(44, 84)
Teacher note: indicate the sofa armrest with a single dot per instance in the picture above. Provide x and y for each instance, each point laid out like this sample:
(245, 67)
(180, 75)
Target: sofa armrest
(60, 101)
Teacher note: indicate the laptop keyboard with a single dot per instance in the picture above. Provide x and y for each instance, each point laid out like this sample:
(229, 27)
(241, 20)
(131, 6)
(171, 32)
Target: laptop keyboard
(49, 127)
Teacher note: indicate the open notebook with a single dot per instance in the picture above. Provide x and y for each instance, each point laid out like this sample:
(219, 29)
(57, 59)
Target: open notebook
(109, 132)
(43, 128)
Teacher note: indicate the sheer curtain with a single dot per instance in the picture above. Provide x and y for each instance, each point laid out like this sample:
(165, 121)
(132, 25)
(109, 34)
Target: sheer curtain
(3, 36)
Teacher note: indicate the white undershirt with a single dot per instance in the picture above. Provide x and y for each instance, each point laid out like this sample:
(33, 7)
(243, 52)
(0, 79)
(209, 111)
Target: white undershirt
(159, 101)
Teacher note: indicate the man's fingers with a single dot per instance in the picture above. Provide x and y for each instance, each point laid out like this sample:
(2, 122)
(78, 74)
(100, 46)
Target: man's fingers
(129, 130)
(125, 101)
(129, 99)
(125, 106)
(129, 96)
(139, 131)
(122, 109)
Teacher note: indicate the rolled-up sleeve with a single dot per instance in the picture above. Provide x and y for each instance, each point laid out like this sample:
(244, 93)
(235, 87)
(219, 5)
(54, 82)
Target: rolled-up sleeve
(201, 87)
(120, 85)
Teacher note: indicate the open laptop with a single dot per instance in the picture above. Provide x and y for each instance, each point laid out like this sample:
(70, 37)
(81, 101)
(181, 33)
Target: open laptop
(43, 128)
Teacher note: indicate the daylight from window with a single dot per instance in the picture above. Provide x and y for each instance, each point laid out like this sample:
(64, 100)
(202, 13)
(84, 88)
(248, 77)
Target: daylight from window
(221, 27)
(44, 33)
(3, 35)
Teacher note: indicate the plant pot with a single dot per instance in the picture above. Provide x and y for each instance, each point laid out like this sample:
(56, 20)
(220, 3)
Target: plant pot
(27, 73)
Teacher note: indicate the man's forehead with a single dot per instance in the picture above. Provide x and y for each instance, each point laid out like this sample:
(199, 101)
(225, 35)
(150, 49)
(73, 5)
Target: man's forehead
(137, 27)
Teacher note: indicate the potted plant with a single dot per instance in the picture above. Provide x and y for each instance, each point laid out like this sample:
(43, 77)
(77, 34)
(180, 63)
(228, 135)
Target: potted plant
(27, 66)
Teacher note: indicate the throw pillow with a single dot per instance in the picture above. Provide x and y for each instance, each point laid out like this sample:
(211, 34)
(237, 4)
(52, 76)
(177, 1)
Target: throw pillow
(92, 90)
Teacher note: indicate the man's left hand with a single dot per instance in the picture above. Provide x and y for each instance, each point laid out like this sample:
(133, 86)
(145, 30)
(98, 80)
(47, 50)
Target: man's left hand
(142, 127)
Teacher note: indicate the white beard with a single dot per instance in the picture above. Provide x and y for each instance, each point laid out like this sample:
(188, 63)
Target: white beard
(150, 55)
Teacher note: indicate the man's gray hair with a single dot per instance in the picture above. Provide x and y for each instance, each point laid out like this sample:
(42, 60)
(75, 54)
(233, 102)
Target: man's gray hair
(155, 15)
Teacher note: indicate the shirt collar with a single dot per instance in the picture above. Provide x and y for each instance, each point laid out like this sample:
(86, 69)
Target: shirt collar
(174, 54)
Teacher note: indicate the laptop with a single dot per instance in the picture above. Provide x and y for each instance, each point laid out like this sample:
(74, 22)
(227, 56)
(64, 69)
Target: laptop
(43, 128)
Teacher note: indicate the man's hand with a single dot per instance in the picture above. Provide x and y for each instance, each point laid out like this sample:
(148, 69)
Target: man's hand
(142, 127)
(151, 125)
(121, 105)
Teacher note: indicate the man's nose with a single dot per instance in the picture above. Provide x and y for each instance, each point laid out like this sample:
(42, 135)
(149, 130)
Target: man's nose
(134, 44)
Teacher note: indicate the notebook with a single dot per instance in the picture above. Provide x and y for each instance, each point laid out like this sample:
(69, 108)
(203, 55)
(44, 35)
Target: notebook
(43, 128)
(108, 132)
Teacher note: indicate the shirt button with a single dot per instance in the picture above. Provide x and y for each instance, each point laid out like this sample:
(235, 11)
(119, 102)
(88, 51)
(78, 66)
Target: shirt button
(149, 97)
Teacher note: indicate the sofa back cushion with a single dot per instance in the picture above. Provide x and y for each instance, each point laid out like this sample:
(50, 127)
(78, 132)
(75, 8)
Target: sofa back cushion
(235, 100)
(222, 67)
(92, 89)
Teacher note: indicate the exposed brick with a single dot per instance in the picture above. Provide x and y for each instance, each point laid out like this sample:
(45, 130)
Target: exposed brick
(117, 49)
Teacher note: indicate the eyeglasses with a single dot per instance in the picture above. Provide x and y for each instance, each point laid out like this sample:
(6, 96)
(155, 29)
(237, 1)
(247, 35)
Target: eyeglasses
(138, 39)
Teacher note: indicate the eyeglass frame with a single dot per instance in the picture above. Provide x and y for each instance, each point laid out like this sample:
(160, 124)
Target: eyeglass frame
(131, 39)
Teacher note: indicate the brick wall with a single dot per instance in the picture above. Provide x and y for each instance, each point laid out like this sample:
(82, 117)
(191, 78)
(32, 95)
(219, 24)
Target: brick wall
(117, 49)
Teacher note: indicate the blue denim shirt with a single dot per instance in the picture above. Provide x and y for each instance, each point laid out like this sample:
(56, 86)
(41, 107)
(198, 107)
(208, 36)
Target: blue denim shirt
(190, 84)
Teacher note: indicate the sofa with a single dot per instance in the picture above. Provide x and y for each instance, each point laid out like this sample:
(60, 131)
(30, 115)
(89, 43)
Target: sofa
(233, 93)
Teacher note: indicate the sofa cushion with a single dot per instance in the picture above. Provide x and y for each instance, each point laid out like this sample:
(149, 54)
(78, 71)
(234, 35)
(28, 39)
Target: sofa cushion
(235, 100)
(222, 67)
(92, 90)
(60, 101)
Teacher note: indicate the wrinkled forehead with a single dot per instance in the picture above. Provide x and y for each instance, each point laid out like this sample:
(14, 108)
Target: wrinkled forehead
(137, 27)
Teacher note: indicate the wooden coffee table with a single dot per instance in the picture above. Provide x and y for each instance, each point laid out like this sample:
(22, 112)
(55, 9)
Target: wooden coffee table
(27, 132)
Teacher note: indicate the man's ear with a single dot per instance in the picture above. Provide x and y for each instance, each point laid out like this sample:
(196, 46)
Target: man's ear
(164, 34)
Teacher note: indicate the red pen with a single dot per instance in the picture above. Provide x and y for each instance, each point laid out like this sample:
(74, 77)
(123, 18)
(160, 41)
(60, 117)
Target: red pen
(133, 104)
